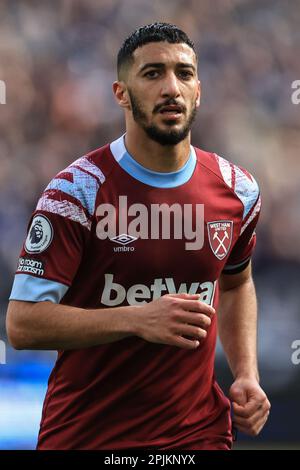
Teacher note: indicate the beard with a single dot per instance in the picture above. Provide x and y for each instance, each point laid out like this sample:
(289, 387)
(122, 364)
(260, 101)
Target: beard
(163, 137)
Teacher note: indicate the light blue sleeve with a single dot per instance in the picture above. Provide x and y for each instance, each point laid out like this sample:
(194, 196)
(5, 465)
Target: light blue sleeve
(34, 289)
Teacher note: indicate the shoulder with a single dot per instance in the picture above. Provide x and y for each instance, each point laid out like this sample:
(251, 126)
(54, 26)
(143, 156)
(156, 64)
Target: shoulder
(72, 192)
(237, 179)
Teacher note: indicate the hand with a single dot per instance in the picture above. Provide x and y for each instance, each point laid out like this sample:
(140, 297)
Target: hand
(251, 406)
(170, 318)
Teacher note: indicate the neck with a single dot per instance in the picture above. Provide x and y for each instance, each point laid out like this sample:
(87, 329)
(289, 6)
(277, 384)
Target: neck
(156, 157)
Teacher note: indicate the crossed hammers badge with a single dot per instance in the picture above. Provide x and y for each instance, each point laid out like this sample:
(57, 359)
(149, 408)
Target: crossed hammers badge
(220, 237)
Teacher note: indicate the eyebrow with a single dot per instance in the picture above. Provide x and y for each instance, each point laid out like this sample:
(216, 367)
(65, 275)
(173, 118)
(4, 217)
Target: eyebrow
(160, 65)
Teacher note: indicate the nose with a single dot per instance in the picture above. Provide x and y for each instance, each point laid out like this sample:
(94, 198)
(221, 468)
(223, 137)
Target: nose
(170, 87)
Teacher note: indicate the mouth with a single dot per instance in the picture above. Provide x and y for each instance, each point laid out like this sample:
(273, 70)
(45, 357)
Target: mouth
(171, 111)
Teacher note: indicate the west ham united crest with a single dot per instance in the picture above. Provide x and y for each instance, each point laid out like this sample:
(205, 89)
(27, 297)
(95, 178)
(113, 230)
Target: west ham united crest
(220, 237)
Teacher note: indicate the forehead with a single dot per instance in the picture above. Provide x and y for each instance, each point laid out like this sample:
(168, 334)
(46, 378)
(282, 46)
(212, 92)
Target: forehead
(163, 52)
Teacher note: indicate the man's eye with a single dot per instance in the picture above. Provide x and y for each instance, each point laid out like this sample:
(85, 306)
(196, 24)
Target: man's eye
(186, 74)
(152, 74)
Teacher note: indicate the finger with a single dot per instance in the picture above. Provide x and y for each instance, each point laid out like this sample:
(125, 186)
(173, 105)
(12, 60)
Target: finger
(260, 413)
(185, 343)
(185, 296)
(250, 408)
(252, 420)
(192, 331)
(238, 396)
(195, 319)
(252, 429)
(196, 306)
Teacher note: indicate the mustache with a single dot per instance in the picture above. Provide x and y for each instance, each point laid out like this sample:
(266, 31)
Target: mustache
(169, 102)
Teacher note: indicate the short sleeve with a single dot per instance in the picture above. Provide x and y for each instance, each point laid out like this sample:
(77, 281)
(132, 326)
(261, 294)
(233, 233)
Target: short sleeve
(247, 190)
(57, 234)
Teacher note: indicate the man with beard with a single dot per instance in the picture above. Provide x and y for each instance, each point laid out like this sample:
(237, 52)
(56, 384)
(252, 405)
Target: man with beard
(130, 288)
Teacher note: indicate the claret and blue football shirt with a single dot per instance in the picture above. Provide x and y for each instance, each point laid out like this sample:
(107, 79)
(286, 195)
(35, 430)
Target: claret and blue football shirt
(108, 232)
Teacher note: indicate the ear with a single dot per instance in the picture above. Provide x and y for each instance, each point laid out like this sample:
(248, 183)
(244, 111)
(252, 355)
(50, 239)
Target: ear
(198, 94)
(121, 94)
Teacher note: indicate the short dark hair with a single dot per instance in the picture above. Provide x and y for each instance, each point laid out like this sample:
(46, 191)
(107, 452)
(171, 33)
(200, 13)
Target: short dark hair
(155, 32)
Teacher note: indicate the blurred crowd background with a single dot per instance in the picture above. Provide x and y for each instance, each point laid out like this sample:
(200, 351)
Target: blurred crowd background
(58, 60)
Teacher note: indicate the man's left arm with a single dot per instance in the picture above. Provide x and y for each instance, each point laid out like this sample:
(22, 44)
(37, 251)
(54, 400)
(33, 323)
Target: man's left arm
(237, 324)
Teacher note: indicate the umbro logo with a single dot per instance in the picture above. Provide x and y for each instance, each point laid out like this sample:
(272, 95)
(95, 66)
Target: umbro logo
(123, 239)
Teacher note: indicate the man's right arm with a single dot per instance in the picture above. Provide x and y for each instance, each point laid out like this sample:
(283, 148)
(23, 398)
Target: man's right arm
(168, 320)
(57, 240)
